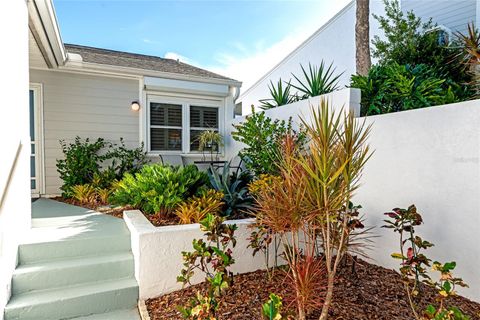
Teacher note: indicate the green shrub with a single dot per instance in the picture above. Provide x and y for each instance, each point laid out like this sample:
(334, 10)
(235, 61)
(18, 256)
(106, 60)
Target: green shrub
(125, 160)
(83, 163)
(262, 135)
(410, 41)
(157, 188)
(394, 87)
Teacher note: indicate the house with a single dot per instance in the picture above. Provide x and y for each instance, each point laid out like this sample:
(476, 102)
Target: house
(88, 92)
(52, 91)
(334, 42)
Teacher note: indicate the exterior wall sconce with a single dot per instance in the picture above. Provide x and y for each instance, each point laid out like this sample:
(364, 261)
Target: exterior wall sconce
(135, 106)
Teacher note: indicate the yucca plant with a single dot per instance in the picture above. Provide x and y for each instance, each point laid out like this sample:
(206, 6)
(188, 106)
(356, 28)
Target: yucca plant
(318, 80)
(280, 95)
(470, 53)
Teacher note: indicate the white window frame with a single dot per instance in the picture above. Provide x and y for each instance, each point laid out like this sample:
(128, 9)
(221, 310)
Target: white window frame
(37, 89)
(186, 102)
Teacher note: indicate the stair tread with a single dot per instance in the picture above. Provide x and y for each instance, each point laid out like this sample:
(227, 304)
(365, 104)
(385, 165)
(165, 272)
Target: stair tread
(126, 314)
(71, 262)
(38, 297)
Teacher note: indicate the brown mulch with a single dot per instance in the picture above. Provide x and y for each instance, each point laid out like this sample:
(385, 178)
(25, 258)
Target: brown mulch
(370, 292)
(158, 220)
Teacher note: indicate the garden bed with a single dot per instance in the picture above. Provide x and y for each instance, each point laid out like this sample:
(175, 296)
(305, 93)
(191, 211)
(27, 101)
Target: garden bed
(157, 220)
(371, 292)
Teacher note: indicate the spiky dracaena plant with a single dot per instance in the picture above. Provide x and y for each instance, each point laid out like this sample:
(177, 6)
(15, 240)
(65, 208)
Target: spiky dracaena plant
(336, 155)
(282, 210)
(317, 81)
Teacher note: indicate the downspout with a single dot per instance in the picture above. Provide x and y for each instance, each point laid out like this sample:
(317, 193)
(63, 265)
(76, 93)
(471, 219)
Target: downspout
(235, 93)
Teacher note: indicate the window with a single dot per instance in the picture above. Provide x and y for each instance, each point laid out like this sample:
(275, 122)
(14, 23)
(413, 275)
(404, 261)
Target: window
(165, 127)
(202, 119)
(174, 123)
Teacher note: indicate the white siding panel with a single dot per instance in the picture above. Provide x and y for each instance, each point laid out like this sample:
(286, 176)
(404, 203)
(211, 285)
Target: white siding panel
(85, 106)
(454, 14)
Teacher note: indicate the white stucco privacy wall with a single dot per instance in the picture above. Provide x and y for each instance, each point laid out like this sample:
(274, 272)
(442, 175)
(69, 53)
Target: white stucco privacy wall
(15, 208)
(87, 106)
(430, 158)
(333, 43)
(348, 98)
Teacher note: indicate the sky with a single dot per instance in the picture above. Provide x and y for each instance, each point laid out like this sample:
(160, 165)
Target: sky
(241, 39)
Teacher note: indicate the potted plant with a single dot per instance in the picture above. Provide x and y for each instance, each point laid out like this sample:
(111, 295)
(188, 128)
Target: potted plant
(210, 140)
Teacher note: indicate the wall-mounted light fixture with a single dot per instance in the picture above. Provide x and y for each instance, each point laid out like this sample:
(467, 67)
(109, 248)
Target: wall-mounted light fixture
(135, 106)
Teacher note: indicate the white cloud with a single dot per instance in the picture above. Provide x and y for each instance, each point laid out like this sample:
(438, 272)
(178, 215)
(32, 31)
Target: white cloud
(248, 68)
(181, 58)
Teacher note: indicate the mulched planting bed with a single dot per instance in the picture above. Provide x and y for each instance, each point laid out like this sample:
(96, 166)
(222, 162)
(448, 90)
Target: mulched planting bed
(158, 220)
(371, 292)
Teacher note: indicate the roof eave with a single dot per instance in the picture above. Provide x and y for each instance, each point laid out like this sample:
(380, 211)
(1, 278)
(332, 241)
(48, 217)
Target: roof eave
(129, 71)
(44, 27)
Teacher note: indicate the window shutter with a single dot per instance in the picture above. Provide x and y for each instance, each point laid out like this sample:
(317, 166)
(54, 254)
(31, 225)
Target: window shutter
(166, 127)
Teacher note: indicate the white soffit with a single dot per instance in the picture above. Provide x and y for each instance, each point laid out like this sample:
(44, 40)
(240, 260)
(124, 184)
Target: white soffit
(182, 86)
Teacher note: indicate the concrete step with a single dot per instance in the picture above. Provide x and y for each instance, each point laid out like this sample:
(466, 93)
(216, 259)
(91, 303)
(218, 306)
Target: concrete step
(70, 272)
(35, 252)
(130, 314)
(77, 301)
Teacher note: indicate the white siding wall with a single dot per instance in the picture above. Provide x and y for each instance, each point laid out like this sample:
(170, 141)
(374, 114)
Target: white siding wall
(15, 206)
(454, 14)
(333, 42)
(85, 106)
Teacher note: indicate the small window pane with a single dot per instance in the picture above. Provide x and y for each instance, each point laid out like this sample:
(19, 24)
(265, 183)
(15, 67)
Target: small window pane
(165, 139)
(32, 148)
(32, 115)
(164, 114)
(203, 117)
(32, 166)
(33, 184)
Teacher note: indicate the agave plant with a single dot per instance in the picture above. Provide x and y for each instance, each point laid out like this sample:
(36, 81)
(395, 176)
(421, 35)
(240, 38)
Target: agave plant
(234, 188)
(280, 95)
(318, 80)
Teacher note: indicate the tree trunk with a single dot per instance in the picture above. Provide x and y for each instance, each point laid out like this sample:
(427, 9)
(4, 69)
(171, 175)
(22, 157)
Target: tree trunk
(328, 297)
(362, 37)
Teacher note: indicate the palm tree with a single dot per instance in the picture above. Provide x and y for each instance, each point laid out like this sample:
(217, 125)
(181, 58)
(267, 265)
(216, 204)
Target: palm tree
(362, 37)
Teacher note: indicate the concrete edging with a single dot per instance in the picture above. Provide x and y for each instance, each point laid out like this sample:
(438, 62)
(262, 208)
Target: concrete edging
(142, 309)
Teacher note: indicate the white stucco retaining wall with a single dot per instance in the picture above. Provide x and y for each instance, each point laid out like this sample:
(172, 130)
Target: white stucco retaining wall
(158, 252)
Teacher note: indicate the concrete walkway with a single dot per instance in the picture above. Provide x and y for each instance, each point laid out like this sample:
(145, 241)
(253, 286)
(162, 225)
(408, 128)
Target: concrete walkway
(74, 263)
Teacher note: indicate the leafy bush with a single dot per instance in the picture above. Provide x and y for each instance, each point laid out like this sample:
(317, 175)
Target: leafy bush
(319, 80)
(234, 188)
(214, 258)
(394, 87)
(197, 207)
(262, 135)
(125, 160)
(271, 310)
(83, 163)
(414, 263)
(84, 193)
(280, 95)
(157, 188)
(411, 41)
